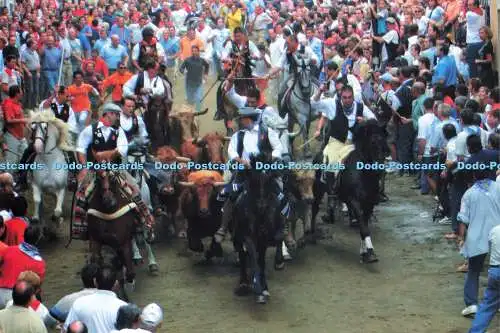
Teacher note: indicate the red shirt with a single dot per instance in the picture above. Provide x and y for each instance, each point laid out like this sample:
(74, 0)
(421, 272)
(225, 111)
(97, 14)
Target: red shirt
(15, 231)
(14, 263)
(79, 12)
(3, 248)
(13, 110)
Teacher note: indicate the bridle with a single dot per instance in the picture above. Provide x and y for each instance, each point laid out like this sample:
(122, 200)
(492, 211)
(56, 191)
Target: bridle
(35, 127)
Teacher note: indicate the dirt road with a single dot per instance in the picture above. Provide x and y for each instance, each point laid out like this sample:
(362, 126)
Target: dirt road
(325, 289)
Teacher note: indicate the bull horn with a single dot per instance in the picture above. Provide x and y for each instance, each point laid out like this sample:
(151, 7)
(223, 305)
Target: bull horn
(187, 184)
(195, 140)
(294, 134)
(227, 138)
(200, 113)
(182, 159)
(220, 183)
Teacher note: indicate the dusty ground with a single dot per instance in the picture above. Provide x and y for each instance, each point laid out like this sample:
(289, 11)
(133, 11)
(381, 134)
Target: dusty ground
(325, 289)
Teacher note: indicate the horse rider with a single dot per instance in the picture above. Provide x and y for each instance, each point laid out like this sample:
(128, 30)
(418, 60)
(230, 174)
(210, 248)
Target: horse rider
(148, 48)
(295, 56)
(343, 115)
(246, 142)
(150, 82)
(58, 105)
(241, 49)
(106, 141)
(269, 117)
(137, 137)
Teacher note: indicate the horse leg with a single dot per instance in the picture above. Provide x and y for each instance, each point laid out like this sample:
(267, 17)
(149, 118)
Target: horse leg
(153, 265)
(243, 288)
(57, 217)
(37, 199)
(136, 253)
(252, 249)
(366, 249)
(263, 297)
(279, 256)
(129, 283)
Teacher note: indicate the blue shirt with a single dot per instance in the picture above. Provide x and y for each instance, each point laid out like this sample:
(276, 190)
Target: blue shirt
(51, 59)
(84, 41)
(430, 54)
(124, 34)
(480, 211)
(112, 56)
(99, 44)
(171, 47)
(438, 140)
(446, 70)
(317, 47)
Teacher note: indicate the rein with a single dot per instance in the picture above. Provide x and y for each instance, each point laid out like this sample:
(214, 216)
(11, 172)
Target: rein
(45, 133)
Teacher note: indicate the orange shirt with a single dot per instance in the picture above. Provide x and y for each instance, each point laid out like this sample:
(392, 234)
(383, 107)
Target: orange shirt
(116, 81)
(81, 100)
(187, 44)
(100, 66)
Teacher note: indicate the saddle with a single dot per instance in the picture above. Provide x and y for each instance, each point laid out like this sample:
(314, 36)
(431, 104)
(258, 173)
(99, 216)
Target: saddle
(336, 153)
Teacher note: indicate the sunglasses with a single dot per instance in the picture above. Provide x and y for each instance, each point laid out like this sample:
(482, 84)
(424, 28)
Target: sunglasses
(122, 67)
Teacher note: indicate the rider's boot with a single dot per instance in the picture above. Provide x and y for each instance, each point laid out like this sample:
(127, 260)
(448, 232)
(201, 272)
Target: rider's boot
(22, 176)
(227, 214)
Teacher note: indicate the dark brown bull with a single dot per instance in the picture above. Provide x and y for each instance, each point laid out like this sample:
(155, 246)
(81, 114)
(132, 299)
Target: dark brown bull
(202, 210)
(207, 149)
(166, 191)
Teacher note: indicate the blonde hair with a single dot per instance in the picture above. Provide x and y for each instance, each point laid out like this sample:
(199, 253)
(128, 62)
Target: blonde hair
(30, 277)
(488, 31)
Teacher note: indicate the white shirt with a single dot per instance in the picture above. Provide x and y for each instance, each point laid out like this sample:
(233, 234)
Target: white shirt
(474, 23)
(451, 149)
(85, 139)
(328, 108)
(390, 97)
(269, 116)
(97, 311)
(426, 126)
(356, 86)
(461, 145)
(126, 124)
(155, 84)
(72, 124)
(250, 144)
(494, 240)
(178, 18)
(308, 56)
(206, 34)
(261, 21)
(276, 50)
(391, 37)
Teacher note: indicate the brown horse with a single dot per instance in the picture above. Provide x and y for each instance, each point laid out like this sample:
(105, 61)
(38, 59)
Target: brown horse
(113, 228)
(156, 119)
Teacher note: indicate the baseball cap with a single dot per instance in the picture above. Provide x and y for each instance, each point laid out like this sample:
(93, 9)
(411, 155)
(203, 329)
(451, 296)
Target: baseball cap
(387, 77)
(152, 315)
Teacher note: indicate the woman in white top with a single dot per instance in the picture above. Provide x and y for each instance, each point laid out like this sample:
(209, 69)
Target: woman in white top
(474, 18)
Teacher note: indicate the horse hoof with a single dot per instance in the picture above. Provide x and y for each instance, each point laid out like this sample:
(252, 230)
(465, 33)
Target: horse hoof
(129, 287)
(243, 290)
(369, 257)
(262, 299)
(153, 269)
(287, 257)
(137, 261)
(279, 266)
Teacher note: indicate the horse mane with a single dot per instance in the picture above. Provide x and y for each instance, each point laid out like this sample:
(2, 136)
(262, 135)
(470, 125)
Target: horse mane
(46, 116)
(199, 176)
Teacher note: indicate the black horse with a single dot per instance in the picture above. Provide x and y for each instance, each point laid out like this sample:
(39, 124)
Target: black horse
(257, 224)
(358, 187)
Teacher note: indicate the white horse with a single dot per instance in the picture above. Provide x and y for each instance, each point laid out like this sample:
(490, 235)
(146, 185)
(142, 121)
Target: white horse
(50, 138)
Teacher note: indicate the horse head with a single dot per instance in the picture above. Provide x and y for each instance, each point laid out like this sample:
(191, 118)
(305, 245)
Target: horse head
(48, 132)
(304, 79)
(369, 139)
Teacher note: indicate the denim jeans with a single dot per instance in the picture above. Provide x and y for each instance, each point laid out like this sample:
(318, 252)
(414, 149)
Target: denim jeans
(471, 286)
(491, 302)
(458, 189)
(194, 95)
